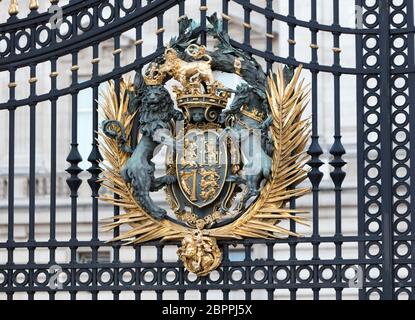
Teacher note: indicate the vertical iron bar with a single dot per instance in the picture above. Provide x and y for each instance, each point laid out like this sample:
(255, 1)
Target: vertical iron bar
(225, 15)
(248, 259)
(247, 25)
(386, 148)
(138, 39)
(292, 244)
(74, 182)
(225, 270)
(138, 56)
(116, 246)
(53, 151)
(181, 8)
(159, 261)
(269, 34)
(137, 259)
(203, 291)
(360, 132)
(181, 292)
(203, 10)
(94, 158)
(411, 93)
(10, 203)
(32, 180)
(160, 31)
(315, 151)
(270, 274)
(291, 31)
(337, 150)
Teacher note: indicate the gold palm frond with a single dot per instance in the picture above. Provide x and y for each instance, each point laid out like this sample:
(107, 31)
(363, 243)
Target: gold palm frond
(290, 134)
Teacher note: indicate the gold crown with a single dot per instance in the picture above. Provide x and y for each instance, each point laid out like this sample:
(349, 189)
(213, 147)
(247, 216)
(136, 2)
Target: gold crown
(153, 75)
(185, 101)
(211, 102)
(253, 114)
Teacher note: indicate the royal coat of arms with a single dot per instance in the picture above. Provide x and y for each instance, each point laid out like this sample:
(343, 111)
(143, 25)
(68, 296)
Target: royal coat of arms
(234, 157)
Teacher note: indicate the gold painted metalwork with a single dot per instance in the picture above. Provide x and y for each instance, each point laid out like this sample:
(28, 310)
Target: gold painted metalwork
(34, 4)
(161, 30)
(237, 65)
(13, 8)
(247, 25)
(153, 75)
(181, 18)
(187, 217)
(189, 74)
(209, 184)
(200, 254)
(197, 52)
(253, 114)
(203, 126)
(193, 220)
(117, 51)
(188, 100)
(190, 154)
(337, 50)
(226, 17)
(199, 251)
(189, 188)
(209, 155)
(292, 41)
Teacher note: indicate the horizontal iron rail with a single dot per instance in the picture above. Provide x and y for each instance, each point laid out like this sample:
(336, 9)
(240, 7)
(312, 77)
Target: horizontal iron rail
(14, 23)
(255, 263)
(84, 40)
(331, 239)
(178, 287)
(80, 86)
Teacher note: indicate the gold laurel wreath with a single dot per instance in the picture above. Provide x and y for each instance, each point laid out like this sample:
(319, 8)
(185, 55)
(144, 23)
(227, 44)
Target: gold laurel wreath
(290, 134)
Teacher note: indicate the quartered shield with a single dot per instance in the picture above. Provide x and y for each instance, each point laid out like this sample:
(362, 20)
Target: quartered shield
(202, 166)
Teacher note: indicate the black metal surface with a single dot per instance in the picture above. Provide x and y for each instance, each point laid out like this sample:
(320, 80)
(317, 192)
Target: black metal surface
(381, 198)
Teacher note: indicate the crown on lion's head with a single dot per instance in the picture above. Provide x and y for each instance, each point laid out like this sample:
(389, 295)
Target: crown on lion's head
(153, 76)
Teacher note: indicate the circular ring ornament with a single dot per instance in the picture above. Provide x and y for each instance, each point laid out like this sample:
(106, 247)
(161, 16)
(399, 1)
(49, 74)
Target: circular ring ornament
(23, 40)
(43, 36)
(4, 45)
(3, 278)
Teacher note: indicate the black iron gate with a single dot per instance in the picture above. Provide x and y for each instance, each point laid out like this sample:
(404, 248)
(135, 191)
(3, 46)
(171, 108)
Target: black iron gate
(384, 76)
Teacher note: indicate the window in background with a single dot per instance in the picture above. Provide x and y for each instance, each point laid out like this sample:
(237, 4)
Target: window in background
(84, 124)
(86, 257)
(85, 114)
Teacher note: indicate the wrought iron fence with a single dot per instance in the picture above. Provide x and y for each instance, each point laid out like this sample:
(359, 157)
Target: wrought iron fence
(383, 72)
